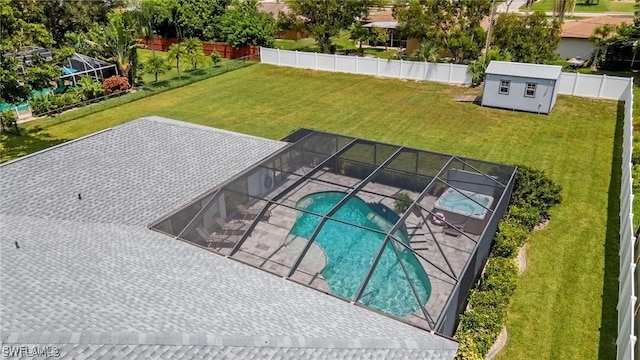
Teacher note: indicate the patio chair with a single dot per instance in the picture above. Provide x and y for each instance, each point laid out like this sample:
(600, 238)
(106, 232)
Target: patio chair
(232, 228)
(217, 240)
(252, 213)
(453, 229)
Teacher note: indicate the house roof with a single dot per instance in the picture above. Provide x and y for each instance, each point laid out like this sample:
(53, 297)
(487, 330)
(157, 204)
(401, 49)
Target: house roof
(273, 8)
(383, 15)
(90, 278)
(537, 71)
(584, 28)
(382, 24)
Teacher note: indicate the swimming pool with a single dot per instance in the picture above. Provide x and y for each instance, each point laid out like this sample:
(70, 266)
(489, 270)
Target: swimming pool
(350, 252)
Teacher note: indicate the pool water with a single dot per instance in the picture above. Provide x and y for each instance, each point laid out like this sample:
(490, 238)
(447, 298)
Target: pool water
(351, 251)
(453, 200)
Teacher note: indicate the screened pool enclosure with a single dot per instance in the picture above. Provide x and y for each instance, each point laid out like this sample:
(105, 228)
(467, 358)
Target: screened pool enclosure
(400, 231)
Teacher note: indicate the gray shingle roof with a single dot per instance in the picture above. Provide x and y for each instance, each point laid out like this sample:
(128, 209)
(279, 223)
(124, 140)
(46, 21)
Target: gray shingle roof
(537, 71)
(90, 278)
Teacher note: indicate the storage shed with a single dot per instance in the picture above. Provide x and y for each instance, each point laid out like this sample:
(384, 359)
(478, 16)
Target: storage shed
(521, 86)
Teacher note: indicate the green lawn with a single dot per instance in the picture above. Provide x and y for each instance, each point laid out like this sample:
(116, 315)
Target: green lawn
(185, 67)
(569, 290)
(341, 42)
(601, 6)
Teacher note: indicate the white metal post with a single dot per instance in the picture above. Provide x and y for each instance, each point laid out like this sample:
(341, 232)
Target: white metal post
(297, 59)
(278, 57)
(575, 84)
(602, 81)
(315, 59)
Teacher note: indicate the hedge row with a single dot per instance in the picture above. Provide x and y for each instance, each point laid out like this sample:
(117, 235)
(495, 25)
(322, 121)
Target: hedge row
(534, 194)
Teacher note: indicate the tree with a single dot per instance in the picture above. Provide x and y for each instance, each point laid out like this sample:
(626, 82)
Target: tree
(521, 37)
(453, 25)
(600, 37)
(325, 18)
(156, 65)
(194, 50)
(201, 19)
(378, 35)
(427, 51)
(561, 7)
(177, 52)
(245, 24)
(359, 34)
(115, 42)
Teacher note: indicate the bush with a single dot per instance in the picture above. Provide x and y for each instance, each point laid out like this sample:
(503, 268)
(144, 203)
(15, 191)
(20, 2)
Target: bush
(524, 214)
(8, 121)
(116, 83)
(534, 188)
(505, 246)
(51, 102)
(215, 57)
(500, 275)
(402, 203)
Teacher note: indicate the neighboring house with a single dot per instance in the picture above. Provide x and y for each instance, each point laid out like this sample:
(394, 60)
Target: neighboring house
(575, 35)
(83, 276)
(520, 86)
(275, 8)
(384, 19)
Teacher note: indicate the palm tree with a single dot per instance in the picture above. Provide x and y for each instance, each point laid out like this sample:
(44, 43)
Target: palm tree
(599, 39)
(116, 43)
(194, 50)
(177, 51)
(427, 51)
(156, 65)
(561, 7)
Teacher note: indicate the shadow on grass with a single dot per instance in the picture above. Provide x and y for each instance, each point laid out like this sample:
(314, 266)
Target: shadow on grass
(609, 319)
(14, 146)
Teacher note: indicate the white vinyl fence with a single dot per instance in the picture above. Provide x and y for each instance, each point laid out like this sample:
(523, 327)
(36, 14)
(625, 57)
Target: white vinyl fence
(400, 69)
(575, 84)
(628, 243)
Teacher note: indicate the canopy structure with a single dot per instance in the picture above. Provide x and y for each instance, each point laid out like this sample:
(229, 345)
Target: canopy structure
(397, 230)
(80, 65)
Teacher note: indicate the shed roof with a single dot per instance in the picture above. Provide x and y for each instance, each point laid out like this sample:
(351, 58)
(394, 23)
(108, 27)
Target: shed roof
(537, 71)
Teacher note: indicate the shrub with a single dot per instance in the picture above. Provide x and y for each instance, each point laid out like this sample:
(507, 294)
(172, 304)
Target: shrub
(467, 348)
(534, 188)
(215, 57)
(505, 246)
(8, 120)
(512, 229)
(524, 214)
(500, 275)
(89, 88)
(402, 203)
(116, 83)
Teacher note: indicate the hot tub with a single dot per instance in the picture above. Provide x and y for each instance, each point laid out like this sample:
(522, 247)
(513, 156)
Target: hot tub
(470, 210)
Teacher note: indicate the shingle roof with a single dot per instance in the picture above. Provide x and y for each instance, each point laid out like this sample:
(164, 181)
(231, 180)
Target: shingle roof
(584, 28)
(90, 278)
(537, 71)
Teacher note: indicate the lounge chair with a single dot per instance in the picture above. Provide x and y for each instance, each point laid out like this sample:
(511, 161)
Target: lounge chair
(253, 213)
(453, 229)
(217, 240)
(232, 228)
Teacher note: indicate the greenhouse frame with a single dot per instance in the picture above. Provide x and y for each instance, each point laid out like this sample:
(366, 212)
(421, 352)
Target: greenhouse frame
(397, 230)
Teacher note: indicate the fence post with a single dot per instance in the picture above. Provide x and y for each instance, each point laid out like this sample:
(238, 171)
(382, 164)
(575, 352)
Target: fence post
(315, 60)
(575, 84)
(450, 73)
(357, 64)
(278, 57)
(335, 62)
(378, 67)
(602, 81)
(297, 59)
(400, 75)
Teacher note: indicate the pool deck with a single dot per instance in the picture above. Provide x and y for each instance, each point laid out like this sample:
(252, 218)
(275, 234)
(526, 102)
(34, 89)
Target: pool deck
(442, 256)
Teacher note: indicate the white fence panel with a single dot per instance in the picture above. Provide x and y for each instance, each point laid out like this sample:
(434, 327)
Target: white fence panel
(368, 66)
(325, 62)
(287, 58)
(614, 87)
(306, 60)
(439, 72)
(460, 75)
(413, 70)
(390, 68)
(346, 64)
(588, 85)
(567, 83)
(269, 56)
